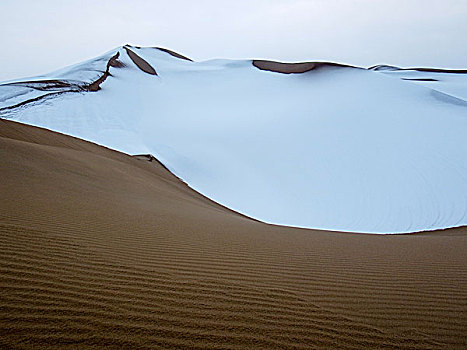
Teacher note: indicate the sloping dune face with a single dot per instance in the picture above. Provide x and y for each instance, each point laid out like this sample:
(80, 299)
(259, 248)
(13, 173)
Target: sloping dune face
(329, 146)
(106, 251)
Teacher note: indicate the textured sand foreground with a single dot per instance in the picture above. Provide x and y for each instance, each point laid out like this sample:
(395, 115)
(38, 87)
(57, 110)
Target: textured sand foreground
(102, 250)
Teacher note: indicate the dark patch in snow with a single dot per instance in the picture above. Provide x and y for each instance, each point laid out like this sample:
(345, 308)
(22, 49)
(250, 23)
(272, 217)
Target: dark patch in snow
(140, 63)
(420, 79)
(294, 68)
(174, 54)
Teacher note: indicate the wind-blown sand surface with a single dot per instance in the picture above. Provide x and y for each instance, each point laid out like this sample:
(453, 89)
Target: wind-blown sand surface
(100, 249)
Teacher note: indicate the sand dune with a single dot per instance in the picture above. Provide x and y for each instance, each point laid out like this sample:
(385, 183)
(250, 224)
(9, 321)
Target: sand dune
(336, 148)
(99, 249)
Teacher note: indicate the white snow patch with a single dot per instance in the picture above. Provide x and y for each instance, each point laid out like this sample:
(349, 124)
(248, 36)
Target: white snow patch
(337, 148)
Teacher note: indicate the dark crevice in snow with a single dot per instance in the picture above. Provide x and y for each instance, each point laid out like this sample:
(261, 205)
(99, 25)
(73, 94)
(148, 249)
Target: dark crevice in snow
(385, 67)
(46, 85)
(32, 100)
(420, 79)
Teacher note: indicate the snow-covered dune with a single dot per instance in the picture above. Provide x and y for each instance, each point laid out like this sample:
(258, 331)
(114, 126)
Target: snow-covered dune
(380, 150)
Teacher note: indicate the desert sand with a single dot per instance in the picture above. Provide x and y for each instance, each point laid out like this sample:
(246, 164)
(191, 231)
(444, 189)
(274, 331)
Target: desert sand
(99, 249)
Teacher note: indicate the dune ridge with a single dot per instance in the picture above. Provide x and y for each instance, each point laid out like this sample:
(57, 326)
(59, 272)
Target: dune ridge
(99, 249)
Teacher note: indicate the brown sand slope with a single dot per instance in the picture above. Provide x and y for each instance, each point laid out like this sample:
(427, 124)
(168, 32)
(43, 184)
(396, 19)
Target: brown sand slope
(174, 54)
(295, 68)
(102, 250)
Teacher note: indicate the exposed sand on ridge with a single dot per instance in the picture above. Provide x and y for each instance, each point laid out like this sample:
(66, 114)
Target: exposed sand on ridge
(293, 68)
(113, 62)
(174, 54)
(140, 62)
(100, 249)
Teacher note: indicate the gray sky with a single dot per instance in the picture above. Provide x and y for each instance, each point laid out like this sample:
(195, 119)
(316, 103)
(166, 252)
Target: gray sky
(41, 36)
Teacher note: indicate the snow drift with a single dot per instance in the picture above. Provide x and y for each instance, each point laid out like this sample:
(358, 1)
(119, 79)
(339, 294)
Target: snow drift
(318, 145)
